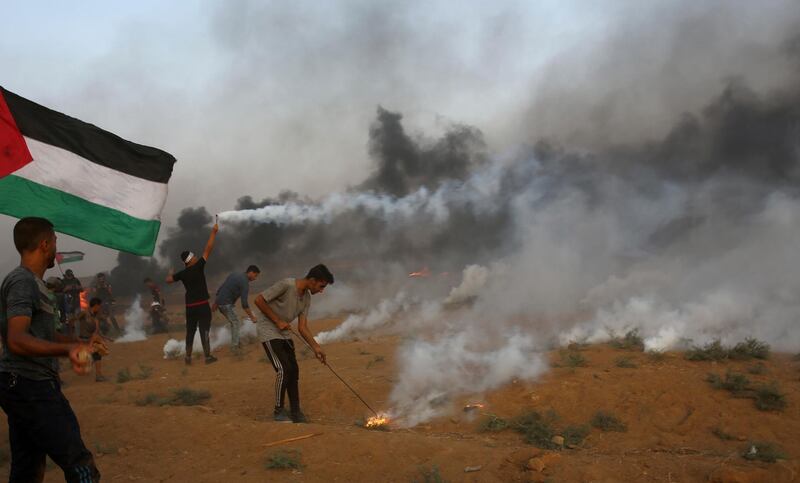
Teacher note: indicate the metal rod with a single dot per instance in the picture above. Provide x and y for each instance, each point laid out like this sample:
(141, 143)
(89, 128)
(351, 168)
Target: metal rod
(336, 374)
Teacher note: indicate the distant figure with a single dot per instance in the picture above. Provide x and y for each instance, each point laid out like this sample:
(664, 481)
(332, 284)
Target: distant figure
(158, 307)
(90, 324)
(41, 422)
(281, 303)
(72, 293)
(235, 286)
(57, 288)
(101, 288)
(198, 311)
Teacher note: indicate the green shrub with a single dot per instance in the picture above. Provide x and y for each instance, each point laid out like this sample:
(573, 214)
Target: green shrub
(491, 423)
(757, 369)
(608, 422)
(736, 383)
(574, 435)
(713, 351)
(573, 359)
(536, 429)
(630, 341)
(750, 349)
(769, 398)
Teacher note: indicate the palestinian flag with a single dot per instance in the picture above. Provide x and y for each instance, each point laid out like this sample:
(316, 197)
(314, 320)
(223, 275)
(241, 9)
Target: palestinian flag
(90, 183)
(69, 257)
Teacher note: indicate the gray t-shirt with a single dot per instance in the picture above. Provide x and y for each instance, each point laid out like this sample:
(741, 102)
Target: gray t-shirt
(235, 286)
(24, 294)
(282, 298)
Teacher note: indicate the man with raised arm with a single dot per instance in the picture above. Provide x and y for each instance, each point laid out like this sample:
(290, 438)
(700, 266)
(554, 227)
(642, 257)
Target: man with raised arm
(198, 311)
(286, 300)
(40, 420)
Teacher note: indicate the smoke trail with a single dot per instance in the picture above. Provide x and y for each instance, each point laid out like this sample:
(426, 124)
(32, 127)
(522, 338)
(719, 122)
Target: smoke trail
(134, 323)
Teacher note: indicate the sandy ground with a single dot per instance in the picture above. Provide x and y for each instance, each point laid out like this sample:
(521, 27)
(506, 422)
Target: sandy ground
(669, 408)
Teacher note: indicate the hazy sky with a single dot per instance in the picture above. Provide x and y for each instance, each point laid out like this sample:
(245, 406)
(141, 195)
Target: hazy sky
(257, 97)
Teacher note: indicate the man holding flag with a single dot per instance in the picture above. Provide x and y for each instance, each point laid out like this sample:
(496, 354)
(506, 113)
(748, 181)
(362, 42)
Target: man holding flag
(46, 158)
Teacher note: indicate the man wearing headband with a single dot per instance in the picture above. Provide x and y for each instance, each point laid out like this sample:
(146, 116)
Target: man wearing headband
(198, 312)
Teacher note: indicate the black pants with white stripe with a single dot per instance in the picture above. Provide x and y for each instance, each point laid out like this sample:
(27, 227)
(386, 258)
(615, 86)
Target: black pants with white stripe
(281, 353)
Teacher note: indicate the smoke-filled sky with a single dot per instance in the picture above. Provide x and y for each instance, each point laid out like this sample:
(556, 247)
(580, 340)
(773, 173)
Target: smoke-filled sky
(565, 171)
(255, 98)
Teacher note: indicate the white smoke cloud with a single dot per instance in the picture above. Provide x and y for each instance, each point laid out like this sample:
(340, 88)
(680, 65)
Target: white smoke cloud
(220, 336)
(473, 279)
(432, 372)
(134, 323)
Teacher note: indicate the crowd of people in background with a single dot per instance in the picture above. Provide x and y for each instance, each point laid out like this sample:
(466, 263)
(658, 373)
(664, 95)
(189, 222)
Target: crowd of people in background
(41, 321)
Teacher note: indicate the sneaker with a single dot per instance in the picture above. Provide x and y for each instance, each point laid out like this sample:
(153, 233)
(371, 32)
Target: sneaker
(299, 417)
(100, 379)
(211, 360)
(280, 416)
(187, 360)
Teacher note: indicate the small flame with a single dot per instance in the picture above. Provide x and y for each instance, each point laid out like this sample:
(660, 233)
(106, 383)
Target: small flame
(378, 421)
(84, 300)
(422, 273)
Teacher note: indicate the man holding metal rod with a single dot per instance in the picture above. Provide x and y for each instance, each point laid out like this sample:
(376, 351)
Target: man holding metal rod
(284, 301)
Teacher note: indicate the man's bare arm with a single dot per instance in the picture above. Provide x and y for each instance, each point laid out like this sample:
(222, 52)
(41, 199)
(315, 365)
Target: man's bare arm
(22, 343)
(264, 307)
(210, 242)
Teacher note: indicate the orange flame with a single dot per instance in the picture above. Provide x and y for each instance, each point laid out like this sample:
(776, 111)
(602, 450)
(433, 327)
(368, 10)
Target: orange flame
(422, 273)
(84, 300)
(378, 421)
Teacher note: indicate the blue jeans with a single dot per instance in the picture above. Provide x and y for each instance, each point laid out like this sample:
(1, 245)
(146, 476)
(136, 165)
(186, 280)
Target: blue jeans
(41, 423)
(234, 322)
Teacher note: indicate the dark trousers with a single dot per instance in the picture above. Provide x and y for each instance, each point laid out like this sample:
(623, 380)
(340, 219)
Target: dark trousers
(281, 353)
(198, 316)
(41, 423)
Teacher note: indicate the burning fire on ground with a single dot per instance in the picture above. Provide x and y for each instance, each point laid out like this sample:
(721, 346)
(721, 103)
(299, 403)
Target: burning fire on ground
(381, 421)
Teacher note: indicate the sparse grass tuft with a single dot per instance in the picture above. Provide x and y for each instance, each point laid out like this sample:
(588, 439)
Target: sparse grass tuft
(750, 349)
(769, 398)
(283, 460)
(574, 435)
(713, 351)
(124, 375)
(608, 422)
(491, 424)
(429, 475)
(656, 356)
(757, 369)
(625, 362)
(719, 433)
(188, 397)
(630, 341)
(179, 397)
(796, 357)
(150, 399)
(763, 451)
